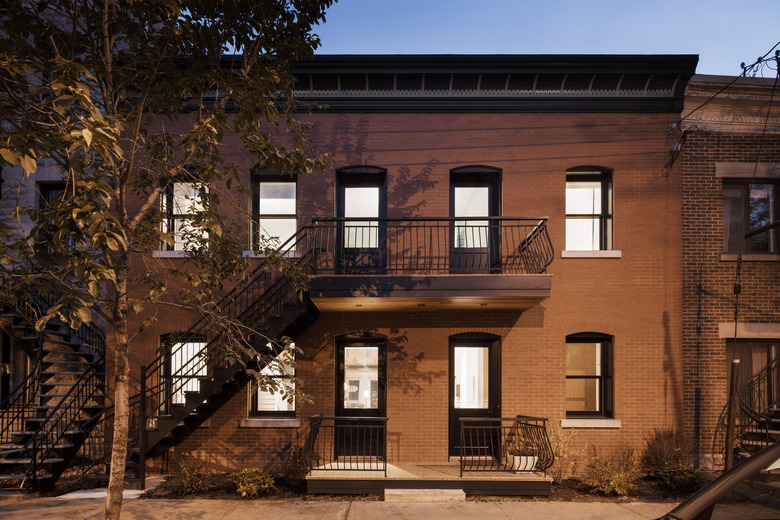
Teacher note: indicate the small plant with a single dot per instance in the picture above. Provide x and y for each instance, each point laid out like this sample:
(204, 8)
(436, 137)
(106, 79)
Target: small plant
(296, 468)
(252, 482)
(680, 479)
(615, 475)
(566, 454)
(192, 478)
(667, 448)
(523, 451)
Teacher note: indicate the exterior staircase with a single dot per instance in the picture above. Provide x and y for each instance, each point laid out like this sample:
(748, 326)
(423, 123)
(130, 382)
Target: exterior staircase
(759, 410)
(47, 418)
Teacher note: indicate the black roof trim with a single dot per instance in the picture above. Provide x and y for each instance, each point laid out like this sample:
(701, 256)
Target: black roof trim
(495, 83)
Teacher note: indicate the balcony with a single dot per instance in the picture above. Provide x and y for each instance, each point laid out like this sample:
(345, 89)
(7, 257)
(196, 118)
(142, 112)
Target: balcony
(429, 263)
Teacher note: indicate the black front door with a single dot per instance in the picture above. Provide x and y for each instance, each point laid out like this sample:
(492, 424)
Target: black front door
(475, 236)
(361, 235)
(474, 386)
(361, 367)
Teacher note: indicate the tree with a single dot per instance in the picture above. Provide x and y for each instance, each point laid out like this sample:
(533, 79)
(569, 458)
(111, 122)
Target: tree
(125, 98)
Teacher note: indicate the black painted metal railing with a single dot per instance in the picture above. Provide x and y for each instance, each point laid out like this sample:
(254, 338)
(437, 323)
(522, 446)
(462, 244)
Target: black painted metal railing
(431, 246)
(347, 444)
(504, 444)
(759, 401)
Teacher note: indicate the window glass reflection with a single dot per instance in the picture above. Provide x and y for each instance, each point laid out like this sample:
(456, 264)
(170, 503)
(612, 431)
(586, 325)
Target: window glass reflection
(361, 377)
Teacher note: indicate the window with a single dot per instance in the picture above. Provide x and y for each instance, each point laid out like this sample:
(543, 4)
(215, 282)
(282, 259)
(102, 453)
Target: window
(588, 375)
(181, 202)
(749, 206)
(185, 365)
(588, 210)
(50, 192)
(280, 402)
(273, 208)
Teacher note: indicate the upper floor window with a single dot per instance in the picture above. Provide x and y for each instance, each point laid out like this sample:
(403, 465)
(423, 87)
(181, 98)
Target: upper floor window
(50, 192)
(748, 206)
(588, 210)
(279, 401)
(181, 202)
(589, 375)
(273, 208)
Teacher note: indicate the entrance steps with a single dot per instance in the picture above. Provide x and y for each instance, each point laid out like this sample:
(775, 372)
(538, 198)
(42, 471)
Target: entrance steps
(425, 495)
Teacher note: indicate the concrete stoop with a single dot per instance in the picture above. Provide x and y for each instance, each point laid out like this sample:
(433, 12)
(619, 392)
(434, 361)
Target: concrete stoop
(425, 495)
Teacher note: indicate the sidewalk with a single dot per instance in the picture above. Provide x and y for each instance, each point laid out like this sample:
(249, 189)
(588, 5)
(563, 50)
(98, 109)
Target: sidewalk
(74, 506)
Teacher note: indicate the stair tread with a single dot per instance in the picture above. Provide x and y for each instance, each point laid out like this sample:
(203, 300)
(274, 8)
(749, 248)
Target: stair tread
(22, 476)
(28, 460)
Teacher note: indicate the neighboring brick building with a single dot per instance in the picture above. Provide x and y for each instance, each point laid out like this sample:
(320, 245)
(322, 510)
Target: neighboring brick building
(730, 165)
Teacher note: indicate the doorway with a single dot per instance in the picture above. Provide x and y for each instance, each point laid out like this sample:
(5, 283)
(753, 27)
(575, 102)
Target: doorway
(361, 392)
(474, 381)
(475, 193)
(361, 236)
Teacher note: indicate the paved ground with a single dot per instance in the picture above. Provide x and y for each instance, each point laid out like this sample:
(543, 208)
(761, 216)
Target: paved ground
(74, 506)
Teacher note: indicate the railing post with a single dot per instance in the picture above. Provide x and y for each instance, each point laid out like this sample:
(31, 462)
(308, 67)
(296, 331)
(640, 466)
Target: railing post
(142, 436)
(732, 410)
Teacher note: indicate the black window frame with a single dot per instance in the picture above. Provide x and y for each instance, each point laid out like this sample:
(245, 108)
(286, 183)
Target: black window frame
(252, 400)
(774, 242)
(166, 207)
(268, 175)
(606, 216)
(604, 380)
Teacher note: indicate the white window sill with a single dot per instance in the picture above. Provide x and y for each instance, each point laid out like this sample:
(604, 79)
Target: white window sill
(287, 254)
(590, 423)
(169, 254)
(270, 423)
(750, 257)
(611, 253)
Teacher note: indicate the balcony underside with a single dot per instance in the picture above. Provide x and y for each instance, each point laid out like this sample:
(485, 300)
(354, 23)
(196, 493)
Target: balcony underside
(404, 293)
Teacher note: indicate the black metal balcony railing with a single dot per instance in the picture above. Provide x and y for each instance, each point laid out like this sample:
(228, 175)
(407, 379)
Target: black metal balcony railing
(347, 444)
(431, 246)
(504, 444)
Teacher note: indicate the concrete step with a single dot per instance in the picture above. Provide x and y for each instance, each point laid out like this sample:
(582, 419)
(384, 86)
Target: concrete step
(425, 495)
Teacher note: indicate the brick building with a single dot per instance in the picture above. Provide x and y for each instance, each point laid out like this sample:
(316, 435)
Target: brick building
(498, 236)
(730, 164)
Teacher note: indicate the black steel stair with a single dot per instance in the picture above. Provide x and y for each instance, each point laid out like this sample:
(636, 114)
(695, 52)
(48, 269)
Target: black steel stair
(45, 420)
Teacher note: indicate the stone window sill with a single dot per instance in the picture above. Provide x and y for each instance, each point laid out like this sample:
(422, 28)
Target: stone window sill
(169, 254)
(746, 257)
(287, 254)
(590, 423)
(612, 253)
(270, 423)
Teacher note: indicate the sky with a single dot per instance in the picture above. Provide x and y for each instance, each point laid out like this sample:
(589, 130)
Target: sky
(723, 33)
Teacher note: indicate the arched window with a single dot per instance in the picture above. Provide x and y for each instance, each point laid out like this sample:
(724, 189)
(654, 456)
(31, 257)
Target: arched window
(589, 375)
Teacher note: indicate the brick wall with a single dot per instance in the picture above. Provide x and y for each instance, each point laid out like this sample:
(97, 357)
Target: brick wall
(708, 281)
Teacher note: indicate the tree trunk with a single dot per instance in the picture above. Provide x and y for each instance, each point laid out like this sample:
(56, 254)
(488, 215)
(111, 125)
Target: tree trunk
(121, 407)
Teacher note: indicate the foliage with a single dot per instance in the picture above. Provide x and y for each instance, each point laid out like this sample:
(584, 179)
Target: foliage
(567, 454)
(252, 482)
(523, 450)
(121, 101)
(193, 477)
(666, 448)
(680, 479)
(296, 467)
(614, 475)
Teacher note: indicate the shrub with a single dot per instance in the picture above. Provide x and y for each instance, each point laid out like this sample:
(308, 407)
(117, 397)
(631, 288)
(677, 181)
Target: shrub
(666, 449)
(252, 482)
(296, 468)
(680, 479)
(566, 454)
(192, 478)
(615, 475)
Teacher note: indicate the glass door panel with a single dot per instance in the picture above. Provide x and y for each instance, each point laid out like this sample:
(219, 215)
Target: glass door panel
(471, 378)
(361, 378)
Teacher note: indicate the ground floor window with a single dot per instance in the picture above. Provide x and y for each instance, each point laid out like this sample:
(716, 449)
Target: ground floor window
(274, 400)
(589, 375)
(185, 365)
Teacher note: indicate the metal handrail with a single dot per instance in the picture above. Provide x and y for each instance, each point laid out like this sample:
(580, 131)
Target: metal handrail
(347, 444)
(505, 444)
